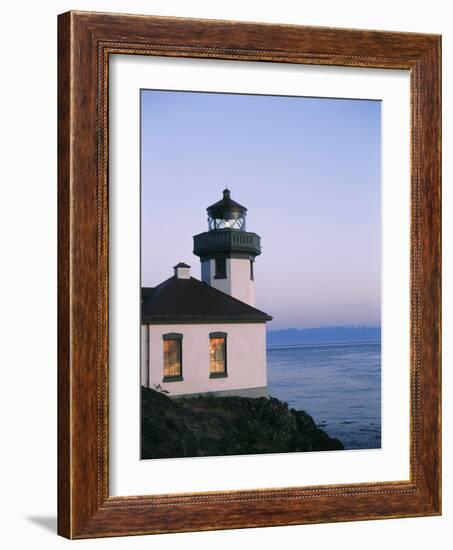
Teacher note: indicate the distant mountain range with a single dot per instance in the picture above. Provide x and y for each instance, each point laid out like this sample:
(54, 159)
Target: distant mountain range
(291, 336)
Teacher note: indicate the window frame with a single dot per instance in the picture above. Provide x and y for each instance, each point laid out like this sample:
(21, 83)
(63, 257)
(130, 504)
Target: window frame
(224, 336)
(176, 337)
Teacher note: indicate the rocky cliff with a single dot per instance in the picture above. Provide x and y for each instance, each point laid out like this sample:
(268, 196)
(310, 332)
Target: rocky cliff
(213, 426)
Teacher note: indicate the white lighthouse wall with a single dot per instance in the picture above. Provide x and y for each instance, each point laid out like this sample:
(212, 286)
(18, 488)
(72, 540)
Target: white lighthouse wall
(246, 359)
(208, 276)
(242, 287)
(206, 268)
(237, 282)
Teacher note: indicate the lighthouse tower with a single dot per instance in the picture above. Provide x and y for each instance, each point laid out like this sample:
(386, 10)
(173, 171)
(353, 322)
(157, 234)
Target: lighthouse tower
(227, 251)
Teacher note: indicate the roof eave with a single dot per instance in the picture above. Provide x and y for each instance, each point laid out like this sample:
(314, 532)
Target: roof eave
(202, 319)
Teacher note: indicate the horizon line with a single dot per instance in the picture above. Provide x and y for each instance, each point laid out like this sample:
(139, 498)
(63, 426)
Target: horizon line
(327, 327)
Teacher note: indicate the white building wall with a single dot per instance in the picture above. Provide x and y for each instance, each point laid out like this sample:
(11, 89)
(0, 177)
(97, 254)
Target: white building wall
(242, 287)
(206, 267)
(237, 283)
(246, 357)
(208, 276)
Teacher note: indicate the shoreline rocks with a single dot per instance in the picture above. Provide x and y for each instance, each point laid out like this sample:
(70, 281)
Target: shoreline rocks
(219, 426)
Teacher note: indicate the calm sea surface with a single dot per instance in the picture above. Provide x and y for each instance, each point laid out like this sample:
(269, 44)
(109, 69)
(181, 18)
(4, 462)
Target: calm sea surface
(338, 384)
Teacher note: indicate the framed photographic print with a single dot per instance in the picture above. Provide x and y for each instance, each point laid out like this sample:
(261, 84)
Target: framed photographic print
(249, 275)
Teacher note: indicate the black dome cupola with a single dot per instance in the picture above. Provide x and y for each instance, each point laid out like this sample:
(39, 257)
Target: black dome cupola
(226, 214)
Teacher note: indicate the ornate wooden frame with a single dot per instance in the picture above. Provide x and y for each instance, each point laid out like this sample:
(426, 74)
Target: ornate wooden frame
(85, 41)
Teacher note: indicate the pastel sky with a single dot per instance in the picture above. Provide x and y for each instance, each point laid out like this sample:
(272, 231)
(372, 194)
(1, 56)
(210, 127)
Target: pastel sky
(309, 172)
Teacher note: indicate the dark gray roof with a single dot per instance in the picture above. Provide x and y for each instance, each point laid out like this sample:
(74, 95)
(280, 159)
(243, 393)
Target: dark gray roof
(146, 293)
(191, 301)
(225, 204)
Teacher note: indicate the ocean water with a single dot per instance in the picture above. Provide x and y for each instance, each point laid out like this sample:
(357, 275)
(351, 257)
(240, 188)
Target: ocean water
(339, 385)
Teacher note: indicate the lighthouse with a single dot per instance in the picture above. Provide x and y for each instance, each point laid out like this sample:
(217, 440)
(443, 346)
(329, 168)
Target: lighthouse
(227, 251)
(207, 337)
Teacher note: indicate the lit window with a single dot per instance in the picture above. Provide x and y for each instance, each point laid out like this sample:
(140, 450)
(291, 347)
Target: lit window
(217, 355)
(172, 357)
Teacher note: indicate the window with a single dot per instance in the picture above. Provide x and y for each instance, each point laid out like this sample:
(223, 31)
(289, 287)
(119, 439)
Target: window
(172, 357)
(217, 355)
(220, 268)
(251, 270)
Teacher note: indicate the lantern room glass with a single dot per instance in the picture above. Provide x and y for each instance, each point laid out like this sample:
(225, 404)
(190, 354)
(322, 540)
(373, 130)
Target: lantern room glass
(237, 223)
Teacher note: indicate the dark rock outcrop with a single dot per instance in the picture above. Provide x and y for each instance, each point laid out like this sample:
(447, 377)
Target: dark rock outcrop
(215, 426)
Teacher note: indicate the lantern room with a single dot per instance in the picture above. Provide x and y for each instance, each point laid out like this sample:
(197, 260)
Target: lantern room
(226, 214)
